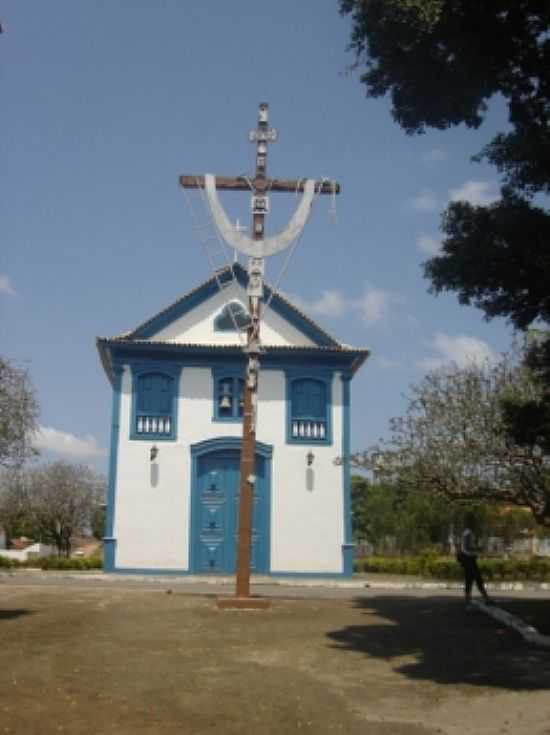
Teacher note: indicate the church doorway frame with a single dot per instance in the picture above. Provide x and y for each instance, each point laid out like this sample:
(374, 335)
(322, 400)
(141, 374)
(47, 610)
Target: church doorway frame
(217, 446)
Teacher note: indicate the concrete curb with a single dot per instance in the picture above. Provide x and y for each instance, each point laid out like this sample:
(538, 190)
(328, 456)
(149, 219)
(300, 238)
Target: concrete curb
(528, 632)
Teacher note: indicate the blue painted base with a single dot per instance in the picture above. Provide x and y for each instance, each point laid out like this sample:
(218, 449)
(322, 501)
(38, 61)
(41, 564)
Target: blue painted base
(187, 573)
(347, 551)
(108, 553)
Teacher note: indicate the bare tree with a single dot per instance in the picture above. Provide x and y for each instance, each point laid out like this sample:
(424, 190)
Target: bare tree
(454, 439)
(64, 499)
(15, 510)
(18, 414)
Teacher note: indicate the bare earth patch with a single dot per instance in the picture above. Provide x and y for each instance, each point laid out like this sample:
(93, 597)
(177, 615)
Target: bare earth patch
(140, 661)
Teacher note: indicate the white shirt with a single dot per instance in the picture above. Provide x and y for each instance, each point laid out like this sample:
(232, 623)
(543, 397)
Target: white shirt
(468, 545)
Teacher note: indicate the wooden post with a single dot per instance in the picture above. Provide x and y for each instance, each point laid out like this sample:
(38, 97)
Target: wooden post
(260, 186)
(248, 446)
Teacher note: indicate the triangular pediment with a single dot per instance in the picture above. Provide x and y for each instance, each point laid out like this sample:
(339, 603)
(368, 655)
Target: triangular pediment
(201, 317)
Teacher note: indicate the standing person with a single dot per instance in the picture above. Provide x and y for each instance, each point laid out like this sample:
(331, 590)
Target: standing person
(467, 557)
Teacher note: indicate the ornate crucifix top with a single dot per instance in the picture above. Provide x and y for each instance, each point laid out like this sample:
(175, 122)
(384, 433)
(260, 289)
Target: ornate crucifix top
(260, 185)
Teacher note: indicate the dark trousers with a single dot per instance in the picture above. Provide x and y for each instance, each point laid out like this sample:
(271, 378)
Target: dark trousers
(471, 575)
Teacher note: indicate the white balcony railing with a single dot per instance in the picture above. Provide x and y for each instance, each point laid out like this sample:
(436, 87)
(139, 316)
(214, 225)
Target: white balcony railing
(154, 425)
(314, 430)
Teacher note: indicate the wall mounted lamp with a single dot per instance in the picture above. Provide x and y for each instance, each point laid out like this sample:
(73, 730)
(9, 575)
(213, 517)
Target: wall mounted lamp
(153, 452)
(309, 458)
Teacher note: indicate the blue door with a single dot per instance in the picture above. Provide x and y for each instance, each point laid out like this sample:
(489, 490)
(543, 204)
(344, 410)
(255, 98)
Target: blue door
(215, 514)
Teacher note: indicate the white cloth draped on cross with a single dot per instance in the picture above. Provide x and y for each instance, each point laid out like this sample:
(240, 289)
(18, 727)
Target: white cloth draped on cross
(268, 245)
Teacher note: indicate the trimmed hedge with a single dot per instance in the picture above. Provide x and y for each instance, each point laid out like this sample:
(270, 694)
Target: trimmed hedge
(536, 569)
(52, 562)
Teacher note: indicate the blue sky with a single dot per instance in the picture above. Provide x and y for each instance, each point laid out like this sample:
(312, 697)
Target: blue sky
(105, 104)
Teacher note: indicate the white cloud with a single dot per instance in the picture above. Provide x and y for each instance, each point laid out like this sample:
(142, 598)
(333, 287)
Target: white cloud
(435, 155)
(461, 350)
(331, 303)
(6, 287)
(478, 193)
(375, 304)
(424, 201)
(428, 244)
(60, 442)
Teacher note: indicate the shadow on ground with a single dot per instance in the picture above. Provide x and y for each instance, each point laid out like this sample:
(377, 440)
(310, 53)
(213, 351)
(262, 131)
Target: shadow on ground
(15, 613)
(435, 639)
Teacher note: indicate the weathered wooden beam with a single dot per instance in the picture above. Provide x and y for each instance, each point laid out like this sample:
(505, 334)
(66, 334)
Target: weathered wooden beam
(239, 183)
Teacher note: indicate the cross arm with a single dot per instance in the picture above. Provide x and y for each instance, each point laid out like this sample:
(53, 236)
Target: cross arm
(241, 183)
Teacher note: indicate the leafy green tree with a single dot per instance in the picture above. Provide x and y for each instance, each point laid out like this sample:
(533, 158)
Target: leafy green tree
(424, 520)
(373, 510)
(394, 519)
(441, 62)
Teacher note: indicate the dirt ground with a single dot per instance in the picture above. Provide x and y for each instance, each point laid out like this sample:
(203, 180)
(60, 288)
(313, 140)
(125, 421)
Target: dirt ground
(143, 661)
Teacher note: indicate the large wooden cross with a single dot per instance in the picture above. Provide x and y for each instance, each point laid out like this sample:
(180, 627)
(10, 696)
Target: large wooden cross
(259, 186)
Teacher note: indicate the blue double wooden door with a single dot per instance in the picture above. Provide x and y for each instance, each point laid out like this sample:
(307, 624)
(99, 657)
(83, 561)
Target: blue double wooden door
(215, 518)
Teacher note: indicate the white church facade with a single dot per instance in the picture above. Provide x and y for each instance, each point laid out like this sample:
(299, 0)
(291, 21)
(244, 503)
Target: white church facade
(177, 382)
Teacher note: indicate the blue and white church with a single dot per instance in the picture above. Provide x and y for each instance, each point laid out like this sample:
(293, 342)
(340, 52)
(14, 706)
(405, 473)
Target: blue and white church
(173, 488)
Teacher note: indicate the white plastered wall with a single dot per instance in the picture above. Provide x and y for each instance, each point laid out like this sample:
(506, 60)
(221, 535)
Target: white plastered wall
(197, 326)
(151, 523)
(307, 504)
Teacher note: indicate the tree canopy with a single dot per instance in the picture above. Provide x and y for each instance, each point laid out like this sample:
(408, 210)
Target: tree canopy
(454, 440)
(52, 503)
(18, 414)
(441, 62)
(64, 500)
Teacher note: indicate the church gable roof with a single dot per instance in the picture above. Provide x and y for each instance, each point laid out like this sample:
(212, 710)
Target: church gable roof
(189, 329)
(160, 322)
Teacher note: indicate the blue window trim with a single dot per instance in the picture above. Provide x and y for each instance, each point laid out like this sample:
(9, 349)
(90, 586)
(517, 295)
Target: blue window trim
(224, 373)
(323, 376)
(173, 372)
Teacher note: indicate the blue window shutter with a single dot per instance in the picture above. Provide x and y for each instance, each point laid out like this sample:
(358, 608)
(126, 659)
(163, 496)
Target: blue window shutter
(164, 394)
(145, 393)
(318, 403)
(155, 394)
(308, 399)
(308, 410)
(154, 411)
